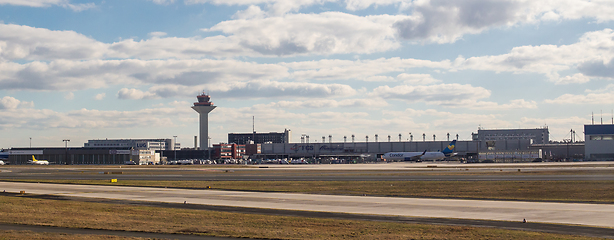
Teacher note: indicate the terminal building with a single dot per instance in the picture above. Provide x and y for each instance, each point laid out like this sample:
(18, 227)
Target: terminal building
(599, 142)
(271, 137)
(137, 144)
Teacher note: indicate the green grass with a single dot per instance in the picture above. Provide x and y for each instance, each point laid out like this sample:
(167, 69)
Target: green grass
(74, 214)
(560, 191)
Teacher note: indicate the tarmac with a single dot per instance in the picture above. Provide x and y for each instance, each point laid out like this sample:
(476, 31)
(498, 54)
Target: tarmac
(596, 215)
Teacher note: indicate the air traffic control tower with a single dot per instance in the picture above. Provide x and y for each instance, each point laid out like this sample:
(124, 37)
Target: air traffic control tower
(203, 107)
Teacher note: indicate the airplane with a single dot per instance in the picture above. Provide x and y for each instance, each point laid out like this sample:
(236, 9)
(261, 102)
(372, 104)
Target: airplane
(4, 156)
(38, 162)
(419, 156)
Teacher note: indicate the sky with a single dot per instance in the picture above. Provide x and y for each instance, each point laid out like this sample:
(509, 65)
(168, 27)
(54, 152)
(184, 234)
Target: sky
(114, 69)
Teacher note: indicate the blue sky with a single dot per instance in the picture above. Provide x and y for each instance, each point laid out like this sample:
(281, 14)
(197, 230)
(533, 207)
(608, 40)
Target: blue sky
(84, 70)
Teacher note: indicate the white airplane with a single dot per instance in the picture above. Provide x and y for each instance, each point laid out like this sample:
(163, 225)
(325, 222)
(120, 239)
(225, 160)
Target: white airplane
(420, 156)
(38, 162)
(2, 162)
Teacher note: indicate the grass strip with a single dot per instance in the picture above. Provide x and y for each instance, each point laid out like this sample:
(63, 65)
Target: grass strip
(74, 214)
(20, 235)
(556, 191)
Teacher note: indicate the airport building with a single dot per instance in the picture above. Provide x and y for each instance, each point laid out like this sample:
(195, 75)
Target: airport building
(599, 142)
(137, 144)
(69, 156)
(226, 151)
(359, 151)
(531, 136)
(271, 137)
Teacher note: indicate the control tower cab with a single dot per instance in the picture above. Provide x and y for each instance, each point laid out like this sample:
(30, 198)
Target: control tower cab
(203, 107)
(203, 100)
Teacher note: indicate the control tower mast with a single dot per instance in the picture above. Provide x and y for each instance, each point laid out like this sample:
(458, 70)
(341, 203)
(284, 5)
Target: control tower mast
(203, 107)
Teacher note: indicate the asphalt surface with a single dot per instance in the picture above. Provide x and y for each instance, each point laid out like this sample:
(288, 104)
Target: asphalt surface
(599, 226)
(274, 173)
(516, 225)
(594, 215)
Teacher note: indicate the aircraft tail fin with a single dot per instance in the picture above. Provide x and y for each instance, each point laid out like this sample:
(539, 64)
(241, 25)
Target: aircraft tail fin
(450, 148)
(34, 159)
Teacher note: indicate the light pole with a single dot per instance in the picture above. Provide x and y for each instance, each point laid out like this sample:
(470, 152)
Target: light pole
(175, 144)
(30, 142)
(209, 147)
(66, 149)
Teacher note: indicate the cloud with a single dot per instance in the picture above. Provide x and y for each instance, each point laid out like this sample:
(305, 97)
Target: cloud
(323, 33)
(132, 93)
(330, 103)
(69, 96)
(8, 102)
(77, 75)
(576, 78)
(513, 104)
(163, 2)
(250, 89)
(24, 118)
(157, 34)
(48, 3)
(602, 96)
(446, 21)
(417, 79)
(24, 42)
(440, 94)
(368, 70)
(591, 55)
(598, 68)
(100, 96)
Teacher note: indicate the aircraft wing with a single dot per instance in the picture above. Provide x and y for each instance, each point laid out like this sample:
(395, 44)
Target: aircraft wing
(416, 157)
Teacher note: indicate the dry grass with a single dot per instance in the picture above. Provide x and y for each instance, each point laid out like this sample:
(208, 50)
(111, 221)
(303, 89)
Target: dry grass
(562, 191)
(20, 235)
(165, 220)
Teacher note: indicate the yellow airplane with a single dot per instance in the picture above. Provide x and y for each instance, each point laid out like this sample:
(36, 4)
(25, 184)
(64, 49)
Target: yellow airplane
(38, 162)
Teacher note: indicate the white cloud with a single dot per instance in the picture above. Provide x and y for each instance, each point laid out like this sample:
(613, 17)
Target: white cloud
(576, 78)
(324, 33)
(417, 79)
(24, 42)
(591, 55)
(69, 96)
(602, 96)
(163, 2)
(157, 34)
(100, 96)
(249, 89)
(77, 75)
(440, 94)
(48, 3)
(335, 69)
(8, 102)
(513, 104)
(132, 93)
(330, 103)
(91, 119)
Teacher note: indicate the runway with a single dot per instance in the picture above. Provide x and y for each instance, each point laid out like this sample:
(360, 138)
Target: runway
(594, 171)
(597, 215)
